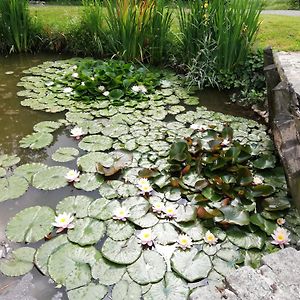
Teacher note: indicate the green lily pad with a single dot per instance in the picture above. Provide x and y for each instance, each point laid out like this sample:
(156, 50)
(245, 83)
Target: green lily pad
(95, 143)
(30, 224)
(149, 268)
(75, 205)
(51, 178)
(107, 272)
(88, 162)
(89, 182)
(186, 213)
(146, 221)
(170, 288)
(103, 209)
(115, 130)
(65, 154)
(43, 253)
(37, 140)
(265, 162)
(2, 172)
(46, 126)
(194, 229)
(122, 252)
(267, 226)
(119, 230)
(273, 204)
(234, 215)
(7, 161)
(191, 265)
(223, 267)
(165, 233)
(12, 187)
(125, 290)
(86, 231)
(91, 291)
(246, 240)
(137, 206)
(28, 170)
(70, 265)
(20, 263)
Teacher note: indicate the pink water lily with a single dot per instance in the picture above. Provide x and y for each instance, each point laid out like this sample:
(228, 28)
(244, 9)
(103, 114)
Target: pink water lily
(280, 221)
(170, 211)
(184, 241)
(144, 186)
(210, 238)
(73, 176)
(121, 214)
(158, 207)
(146, 237)
(63, 221)
(280, 237)
(77, 133)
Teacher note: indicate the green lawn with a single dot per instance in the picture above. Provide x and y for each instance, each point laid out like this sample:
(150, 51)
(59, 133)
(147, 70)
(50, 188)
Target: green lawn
(277, 4)
(281, 32)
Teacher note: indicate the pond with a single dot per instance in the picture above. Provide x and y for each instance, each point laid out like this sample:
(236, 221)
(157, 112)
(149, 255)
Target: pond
(17, 121)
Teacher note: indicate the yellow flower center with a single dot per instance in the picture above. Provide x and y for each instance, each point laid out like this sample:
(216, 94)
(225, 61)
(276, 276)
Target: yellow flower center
(210, 237)
(146, 235)
(122, 212)
(184, 241)
(170, 210)
(280, 237)
(62, 220)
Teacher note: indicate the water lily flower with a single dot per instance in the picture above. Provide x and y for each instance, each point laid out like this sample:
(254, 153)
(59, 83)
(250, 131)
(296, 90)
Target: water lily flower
(75, 75)
(106, 93)
(146, 237)
(82, 83)
(170, 211)
(199, 127)
(257, 180)
(93, 78)
(145, 186)
(139, 89)
(281, 237)
(280, 221)
(77, 132)
(121, 214)
(72, 176)
(63, 221)
(184, 241)
(68, 90)
(101, 88)
(166, 83)
(143, 89)
(158, 207)
(74, 67)
(226, 142)
(210, 238)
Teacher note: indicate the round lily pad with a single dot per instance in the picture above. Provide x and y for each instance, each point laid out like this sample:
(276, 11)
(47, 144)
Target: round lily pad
(125, 290)
(7, 161)
(137, 206)
(191, 265)
(165, 233)
(89, 182)
(65, 154)
(119, 230)
(90, 291)
(28, 170)
(146, 221)
(20, 263)
(107, 272)
(171, 287)
(51, 178)
(88, 162)
(12, 187)
(37, 140)
(122, 252)
(46, 126)
(149, 268)
(115, 130)
(75, 205)
(30, 224)
(103, 209)
(95, 143)
(86, 231)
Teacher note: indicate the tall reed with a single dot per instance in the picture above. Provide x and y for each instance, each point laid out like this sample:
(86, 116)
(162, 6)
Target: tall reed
(16, 25)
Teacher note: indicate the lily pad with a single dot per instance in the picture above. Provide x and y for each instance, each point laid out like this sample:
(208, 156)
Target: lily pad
(7, 161)
(37, 140)
(12, 187)
(89, 182)
(107, 272)
(46, 126)
(86, 231)
(31, 224)
(125, 290)
(165, 233)
(103, 209)
(146, 221)
(91, 291)
(191, 265)
(149, 268)
(88, 162)
(115, 130)
(28, 170)
(235, 215)
(51, 178)
(122, 252)
(20, 263)
(119, 230)
(95, 143)
(65, 154)
(75, 205)
(137, 206)
(264, 162)
(170, 288)
(43, 253)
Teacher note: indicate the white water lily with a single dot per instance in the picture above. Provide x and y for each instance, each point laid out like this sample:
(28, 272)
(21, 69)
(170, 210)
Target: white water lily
(166, 83)
(101, 88)
(170, 211)
(135, 89)
(63, 221)
(74, 67)
(184, 241)
(144, 186)
(199, 127)
(210, 238)
(139, 89)
(226, 142)
(121, 214)
(75, 75)
(257, 180)
(77, 132)
(143, 89)
(72, 176)
(146, 237)
(106, 93)
(68, 90)
(280, 237)
(158, 207)
(93, 78)
(280, 221)
(82, 83)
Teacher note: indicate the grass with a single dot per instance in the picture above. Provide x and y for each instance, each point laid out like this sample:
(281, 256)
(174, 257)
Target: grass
(277, 4)
(281, 32)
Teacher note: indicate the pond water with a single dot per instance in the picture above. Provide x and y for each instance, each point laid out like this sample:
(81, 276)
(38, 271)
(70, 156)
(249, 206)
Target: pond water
(16, 122)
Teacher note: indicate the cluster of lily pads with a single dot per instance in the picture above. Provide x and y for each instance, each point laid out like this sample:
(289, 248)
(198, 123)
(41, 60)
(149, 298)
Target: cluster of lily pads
(182, 196)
